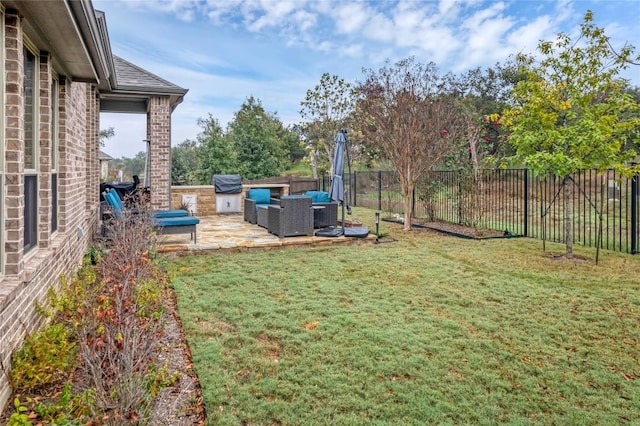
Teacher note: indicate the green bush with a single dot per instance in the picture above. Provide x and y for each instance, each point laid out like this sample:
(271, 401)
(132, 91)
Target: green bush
(46, 357)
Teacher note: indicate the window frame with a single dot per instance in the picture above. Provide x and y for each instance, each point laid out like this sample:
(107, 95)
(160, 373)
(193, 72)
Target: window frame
(54, 146)
(31, 174)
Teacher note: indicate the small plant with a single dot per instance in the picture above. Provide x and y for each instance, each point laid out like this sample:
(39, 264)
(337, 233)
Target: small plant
(94, 255)
(158, 379)
(185, 205)
(45, 358)
(427, 192)
(19, 417)
(65, 407)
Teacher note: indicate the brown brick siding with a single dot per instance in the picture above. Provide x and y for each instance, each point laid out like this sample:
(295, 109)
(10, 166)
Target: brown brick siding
(14, 146)
(159, 135)
(44, 179)
(27, 279)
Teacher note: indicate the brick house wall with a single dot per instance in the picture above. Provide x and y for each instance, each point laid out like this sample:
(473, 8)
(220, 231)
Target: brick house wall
(26, 277)
(159, 135)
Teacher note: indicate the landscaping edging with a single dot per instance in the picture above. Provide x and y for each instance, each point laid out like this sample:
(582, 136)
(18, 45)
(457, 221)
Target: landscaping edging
(468, 236)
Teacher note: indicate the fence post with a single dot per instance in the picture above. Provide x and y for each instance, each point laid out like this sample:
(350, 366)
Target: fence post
(379, 190)
(526, 202)
(354, 191)
(634, 214)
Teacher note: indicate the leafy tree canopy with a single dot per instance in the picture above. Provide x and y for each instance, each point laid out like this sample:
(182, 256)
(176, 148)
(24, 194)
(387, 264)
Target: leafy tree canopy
(215, 152)
(255, 135)
(403, 113)
(326, 110)
(572, 111)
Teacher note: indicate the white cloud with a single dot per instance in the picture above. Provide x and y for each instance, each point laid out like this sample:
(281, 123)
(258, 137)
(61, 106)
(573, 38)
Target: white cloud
(224, 51)
(349, 18)
(379, 28)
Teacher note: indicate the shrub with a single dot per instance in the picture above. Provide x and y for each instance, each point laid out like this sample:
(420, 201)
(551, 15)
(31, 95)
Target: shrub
(121, 322)
(106, 322)
(45, 358)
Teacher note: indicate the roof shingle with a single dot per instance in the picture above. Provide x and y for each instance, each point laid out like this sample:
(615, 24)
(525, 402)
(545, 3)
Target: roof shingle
(132, 77)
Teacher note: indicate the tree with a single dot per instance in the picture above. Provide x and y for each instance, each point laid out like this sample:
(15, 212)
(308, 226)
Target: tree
(292, 137)
(255, 137)
(215, 152)
(572, 112)
(131, 166)
(326, 109)
(486, 93)
(106, 134)
(185, 163)
(403, 113)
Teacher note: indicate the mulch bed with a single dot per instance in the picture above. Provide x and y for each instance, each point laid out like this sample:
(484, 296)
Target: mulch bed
(180, 404)
(455, 229)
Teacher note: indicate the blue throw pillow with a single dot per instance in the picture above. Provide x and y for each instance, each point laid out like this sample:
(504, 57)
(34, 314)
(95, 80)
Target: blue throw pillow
(260, 195)
(318, 196)
(323, 197)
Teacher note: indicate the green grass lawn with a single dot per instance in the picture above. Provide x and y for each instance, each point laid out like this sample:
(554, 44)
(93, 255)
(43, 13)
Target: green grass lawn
(425, 330)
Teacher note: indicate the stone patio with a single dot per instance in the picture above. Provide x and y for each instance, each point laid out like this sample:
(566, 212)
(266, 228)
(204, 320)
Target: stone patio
(231, 232)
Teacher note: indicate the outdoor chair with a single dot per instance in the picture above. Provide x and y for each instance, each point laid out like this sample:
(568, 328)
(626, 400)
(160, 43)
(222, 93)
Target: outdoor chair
(177, 225)
(256, 198)
(293, 216)
(325, 211)
(163, 225)
(119, 205)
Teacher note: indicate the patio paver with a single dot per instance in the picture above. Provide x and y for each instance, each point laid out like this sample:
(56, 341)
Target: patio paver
(231, 232)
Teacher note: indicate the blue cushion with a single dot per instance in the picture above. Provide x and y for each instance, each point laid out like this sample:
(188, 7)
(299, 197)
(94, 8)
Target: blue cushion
(169, 213)
(116, 198)
(318, 196)
(111, 199)
(176, 221)
(260, 195)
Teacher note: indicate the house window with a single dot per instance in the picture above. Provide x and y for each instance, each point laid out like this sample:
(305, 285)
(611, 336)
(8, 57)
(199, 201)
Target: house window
(30, 211)
(29, 91)
(54, 155)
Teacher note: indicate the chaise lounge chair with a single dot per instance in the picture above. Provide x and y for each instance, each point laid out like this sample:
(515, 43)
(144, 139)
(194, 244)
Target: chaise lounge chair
(154, 213)
(162, 224)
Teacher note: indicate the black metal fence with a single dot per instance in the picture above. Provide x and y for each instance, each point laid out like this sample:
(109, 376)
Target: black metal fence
(517, 201)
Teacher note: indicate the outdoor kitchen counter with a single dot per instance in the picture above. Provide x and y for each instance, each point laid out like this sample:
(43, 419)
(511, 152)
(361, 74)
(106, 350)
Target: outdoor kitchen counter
(206, 195)
(277, 189)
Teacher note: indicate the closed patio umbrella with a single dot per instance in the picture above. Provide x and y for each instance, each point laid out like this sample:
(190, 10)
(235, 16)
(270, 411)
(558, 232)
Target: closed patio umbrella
(337, 182)
(337, 190)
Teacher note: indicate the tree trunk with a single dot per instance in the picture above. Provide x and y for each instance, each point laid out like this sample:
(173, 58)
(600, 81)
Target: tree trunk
(314, 163)
(407, 201)
(568, 230)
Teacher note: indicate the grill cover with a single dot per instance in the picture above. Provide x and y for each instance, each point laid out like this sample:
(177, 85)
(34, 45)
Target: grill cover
(227, 184)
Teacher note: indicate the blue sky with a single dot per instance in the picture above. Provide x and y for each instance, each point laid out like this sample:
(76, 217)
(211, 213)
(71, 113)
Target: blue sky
(224, 51)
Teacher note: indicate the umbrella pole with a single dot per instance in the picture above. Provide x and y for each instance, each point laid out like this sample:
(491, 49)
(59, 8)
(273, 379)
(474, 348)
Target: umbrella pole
(343, 216)
(346, 149)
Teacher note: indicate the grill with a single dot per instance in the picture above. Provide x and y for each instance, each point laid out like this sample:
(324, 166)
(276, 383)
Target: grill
(228, 189)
